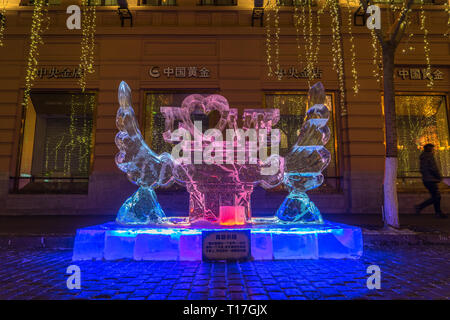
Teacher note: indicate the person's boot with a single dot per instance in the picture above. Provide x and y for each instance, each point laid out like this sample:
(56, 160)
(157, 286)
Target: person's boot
(441, 215)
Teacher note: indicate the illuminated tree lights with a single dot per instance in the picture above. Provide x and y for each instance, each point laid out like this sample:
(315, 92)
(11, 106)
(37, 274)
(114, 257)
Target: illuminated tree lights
(87, 42)
(426, 45)
(376, 56)
(38, 26)
(447, 9)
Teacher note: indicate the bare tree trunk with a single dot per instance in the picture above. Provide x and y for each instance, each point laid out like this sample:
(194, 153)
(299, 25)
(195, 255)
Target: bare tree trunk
(391, 217)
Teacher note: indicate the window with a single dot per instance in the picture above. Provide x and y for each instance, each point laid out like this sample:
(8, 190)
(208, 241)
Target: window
(103, 3)
(291, 3)
(421, 119)
(292, 107)
(158, 2)
(401, 1)
(49, 2)
(57, 143)
(218, 2)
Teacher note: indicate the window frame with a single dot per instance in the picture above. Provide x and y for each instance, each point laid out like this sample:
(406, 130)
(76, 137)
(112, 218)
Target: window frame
(141, 4)
(27, 3)
(14, 189)
(420, 188)
(235, 3)
(285, 3)
(338, 177)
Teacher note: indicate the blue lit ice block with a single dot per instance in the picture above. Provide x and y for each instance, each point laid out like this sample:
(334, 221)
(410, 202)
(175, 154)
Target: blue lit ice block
(270, 241)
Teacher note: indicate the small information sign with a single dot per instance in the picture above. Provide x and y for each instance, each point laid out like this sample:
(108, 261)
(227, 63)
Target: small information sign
(226, 245)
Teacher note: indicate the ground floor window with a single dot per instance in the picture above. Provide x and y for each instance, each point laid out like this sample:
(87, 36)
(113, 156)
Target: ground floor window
(293, 106)
(154, 120)
(421, 119)
(103, 2)
(57, 143)
(158, 2)
(218, 2)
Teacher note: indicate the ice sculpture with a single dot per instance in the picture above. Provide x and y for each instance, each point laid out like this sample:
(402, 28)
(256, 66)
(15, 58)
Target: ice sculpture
(220, 192)
(220, 189)
(306, 161)
(216, 186)
(143, 167)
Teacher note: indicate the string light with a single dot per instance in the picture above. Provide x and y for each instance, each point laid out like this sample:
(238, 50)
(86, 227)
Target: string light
(426, 46)
(352, 50)
(268, 39)
(338, 61)
(316, 52)
(310, 53)
(38, 26)
(447, 9)
(305, 36)
(376, 67)
(297, 23)
(87, 42)
(277, 41)
(408, 44)
(3, 22)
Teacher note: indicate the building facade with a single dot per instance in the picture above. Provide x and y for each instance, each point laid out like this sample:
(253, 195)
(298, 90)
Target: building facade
(57, 155)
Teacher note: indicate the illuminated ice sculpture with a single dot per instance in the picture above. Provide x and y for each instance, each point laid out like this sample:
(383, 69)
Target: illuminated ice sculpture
(220, 190)
(306, 161)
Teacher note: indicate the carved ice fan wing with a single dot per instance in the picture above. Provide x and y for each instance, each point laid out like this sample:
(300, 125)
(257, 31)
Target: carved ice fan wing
(142, 165)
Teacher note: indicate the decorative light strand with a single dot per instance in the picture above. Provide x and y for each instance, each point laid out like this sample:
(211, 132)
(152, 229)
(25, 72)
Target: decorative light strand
(408, 44)
(87, 42)
(311, 50)
(3, 22)
(305, 36)
(317, 47)
(447, 9)
(338, 62)
(352, 50)
(38, 26)
(426, 46)
(277, 42)
(297, 34)
(268, 13)
(376, 52)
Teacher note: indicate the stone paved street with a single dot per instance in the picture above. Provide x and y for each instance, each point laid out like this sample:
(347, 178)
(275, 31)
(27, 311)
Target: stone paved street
(407, 272)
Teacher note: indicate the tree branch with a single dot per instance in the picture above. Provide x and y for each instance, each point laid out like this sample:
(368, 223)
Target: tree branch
(396, 27)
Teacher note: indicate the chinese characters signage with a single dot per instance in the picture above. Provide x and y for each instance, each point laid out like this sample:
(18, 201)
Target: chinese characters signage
(293, 73)
(171, 72)
(226, 245)
(58, 73)
(419, 74)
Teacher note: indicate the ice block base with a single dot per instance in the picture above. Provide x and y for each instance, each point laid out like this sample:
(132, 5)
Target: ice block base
(111, 241)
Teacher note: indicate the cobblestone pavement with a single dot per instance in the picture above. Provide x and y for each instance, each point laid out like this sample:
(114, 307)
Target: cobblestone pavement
(419, 272)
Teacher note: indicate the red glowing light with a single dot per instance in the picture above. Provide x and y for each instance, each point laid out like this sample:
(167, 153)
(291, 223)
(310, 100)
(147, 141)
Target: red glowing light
(232, 215)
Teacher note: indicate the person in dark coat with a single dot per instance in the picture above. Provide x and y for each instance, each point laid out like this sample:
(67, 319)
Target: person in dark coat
(431, 178)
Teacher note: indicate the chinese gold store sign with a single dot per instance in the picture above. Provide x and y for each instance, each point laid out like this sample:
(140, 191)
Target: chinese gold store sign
(180, 72)
(420, 73)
